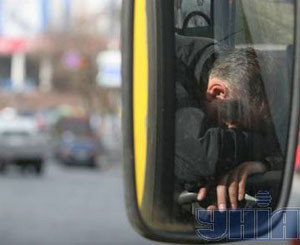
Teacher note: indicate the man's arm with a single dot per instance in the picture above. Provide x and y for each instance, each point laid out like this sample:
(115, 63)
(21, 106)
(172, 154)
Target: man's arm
(201, 151)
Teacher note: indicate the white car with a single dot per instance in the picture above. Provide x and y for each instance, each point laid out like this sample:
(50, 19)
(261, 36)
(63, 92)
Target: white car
(21, 143)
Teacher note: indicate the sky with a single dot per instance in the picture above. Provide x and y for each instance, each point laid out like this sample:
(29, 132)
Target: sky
(26, 18)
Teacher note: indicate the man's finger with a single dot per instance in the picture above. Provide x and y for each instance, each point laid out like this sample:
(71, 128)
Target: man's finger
(211, 208)
(202, 193)
(233, 189)
(242, 183)
(222, 194)
(248, 169)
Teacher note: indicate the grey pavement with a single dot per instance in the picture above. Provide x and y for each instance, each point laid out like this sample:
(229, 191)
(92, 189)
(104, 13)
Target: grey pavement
(65, 206)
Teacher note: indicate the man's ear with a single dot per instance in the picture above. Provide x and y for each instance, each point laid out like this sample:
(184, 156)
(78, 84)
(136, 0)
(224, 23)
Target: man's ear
(216, 89)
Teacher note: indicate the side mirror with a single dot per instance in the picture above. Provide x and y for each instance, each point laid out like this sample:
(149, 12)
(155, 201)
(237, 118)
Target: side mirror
(172, 50)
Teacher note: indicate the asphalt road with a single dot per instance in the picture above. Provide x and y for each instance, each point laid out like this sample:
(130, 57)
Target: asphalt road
(65, 206)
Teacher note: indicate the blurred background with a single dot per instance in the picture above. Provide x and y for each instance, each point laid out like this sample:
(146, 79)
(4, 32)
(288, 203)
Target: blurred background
(60, 133)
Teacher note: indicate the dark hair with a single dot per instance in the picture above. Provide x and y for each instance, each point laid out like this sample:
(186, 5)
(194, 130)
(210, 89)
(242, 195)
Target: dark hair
(240, 69)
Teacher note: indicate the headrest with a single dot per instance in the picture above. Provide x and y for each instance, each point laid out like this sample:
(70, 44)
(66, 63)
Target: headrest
(276, 76)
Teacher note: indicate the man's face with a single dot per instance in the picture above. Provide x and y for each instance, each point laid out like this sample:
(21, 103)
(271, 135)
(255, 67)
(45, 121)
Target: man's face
(222, 106)
(228, 108)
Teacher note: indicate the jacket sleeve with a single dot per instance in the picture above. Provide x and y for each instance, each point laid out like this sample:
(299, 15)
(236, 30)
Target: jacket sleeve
(202, 152)
(265, 148)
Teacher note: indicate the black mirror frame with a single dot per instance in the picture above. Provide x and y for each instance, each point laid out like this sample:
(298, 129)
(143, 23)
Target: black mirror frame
(127, 117)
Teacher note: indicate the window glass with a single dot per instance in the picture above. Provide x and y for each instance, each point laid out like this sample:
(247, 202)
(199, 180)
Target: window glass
(233, 86)
(185, 8)
(233, 83)
(264, 22)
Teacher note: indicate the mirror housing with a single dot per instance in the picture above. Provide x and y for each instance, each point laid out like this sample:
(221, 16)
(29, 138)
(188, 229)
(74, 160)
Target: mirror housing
(149, 118)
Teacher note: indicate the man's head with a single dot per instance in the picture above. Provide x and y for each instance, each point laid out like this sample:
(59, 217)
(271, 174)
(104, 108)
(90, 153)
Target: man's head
(235, 92)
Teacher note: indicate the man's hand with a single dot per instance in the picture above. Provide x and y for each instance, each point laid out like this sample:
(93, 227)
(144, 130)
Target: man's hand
(233, 185)
(231, 125)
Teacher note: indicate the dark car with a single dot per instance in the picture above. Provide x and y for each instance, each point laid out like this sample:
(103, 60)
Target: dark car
(78, 144)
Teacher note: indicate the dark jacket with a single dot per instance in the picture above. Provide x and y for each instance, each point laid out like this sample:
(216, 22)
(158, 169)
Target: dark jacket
(205, 151)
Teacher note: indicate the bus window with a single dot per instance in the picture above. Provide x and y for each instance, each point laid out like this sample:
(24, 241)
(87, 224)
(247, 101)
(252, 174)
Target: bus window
(218, 108)
(232, 104)
(193, 17)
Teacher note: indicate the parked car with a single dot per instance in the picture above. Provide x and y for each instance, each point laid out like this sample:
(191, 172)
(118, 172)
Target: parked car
(22, 144)
(78, 145)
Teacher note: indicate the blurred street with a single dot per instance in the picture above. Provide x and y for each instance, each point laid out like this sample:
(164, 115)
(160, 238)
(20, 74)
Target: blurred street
(67, 205)
(60, 98)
